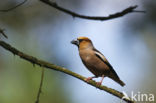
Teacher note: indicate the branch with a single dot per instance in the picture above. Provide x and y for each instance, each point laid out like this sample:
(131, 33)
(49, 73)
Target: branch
(45, 64)
(40, 87)
(12, 8)
(2, 32)
(111, 16)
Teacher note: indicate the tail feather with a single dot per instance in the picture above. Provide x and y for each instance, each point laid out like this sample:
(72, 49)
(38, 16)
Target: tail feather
(121, 82)
(115, 77)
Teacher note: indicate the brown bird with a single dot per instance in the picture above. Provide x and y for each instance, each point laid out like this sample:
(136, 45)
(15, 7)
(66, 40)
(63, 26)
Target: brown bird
(95, 61)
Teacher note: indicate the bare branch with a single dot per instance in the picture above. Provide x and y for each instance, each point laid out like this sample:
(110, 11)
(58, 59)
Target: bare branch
(12, 8)
(111, 16)
(40, 87)
(2, 32)
(45, 64)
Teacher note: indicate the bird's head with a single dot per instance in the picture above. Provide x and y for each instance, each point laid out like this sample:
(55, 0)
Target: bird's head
(82, 42)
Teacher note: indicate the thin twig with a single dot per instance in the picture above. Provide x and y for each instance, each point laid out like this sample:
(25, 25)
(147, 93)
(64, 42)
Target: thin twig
(2, 32)
(40, 87)
(14, 7)
(45, 64)
(111, 16)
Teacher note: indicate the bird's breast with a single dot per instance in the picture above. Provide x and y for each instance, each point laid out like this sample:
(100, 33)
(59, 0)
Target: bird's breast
(86, 55)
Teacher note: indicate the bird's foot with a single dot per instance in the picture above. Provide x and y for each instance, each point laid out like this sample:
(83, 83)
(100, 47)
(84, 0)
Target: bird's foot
(88, 79)
(98, 83)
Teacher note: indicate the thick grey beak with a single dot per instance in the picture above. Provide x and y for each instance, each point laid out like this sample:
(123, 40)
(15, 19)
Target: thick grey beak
(75, 42)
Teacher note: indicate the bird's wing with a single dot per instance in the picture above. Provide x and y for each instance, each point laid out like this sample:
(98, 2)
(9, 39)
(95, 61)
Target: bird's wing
(102, 57)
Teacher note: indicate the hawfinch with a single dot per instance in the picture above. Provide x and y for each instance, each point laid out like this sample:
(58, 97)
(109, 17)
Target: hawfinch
(95, 61)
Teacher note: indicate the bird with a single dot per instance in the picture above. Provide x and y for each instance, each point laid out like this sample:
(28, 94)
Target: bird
(95, 61)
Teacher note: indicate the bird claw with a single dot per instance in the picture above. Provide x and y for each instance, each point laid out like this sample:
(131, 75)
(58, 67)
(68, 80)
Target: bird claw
(98, 83)
(88, 79)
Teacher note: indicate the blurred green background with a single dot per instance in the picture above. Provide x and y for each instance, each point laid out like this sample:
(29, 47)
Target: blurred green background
(36, 29)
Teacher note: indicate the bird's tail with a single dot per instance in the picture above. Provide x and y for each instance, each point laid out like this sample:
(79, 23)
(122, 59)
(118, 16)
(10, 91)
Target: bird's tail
(120, 82)
(117, 79)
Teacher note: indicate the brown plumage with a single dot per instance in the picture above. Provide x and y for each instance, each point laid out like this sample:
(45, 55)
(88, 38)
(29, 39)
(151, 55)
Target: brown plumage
(95, 61)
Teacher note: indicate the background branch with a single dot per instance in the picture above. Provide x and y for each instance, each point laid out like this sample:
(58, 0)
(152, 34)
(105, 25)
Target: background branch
(40, 87)
(12, 8)
(2, 32)
(111, 16)
(45, 64)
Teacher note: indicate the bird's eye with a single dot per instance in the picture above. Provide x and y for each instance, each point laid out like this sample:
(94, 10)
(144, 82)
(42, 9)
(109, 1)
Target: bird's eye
(80, 40)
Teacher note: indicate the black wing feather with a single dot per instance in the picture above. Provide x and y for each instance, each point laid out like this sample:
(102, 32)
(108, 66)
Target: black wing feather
(106, 62)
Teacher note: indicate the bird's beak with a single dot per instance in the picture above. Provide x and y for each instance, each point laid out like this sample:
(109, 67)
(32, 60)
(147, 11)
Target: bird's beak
(75, 42)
